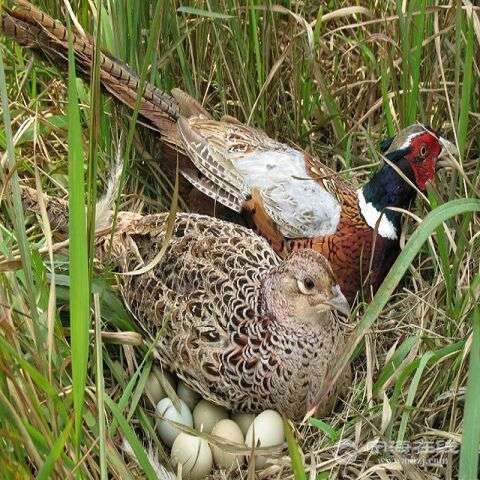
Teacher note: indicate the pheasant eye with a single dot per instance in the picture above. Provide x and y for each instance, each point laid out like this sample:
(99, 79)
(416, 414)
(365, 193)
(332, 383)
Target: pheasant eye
(309, 283)
(423, 151)
(306, 286)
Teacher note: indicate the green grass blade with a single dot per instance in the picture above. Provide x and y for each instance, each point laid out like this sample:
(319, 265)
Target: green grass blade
(255, 42)
(326, 428)
(16, 211)
(432, 221)
(203, 13)
(471, 421)
(466, 97)
(412, 390)
(415, 58)
(397, 358)
(404, 34)
(143, 369)
(438, 356)
(443, 252)
(385, 82)
(78, 256)
(22, 428)
(47, 469)
(36, 376)
(332, 107)
(100, 384)
(93, 141)
(458, 54)
(295, 452)
(132, 439)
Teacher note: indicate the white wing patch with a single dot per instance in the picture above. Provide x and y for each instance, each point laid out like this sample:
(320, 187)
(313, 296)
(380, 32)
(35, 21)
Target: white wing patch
(299, 205)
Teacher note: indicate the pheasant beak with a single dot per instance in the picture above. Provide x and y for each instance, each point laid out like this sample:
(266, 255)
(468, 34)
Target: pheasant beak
(449, 150)
(338, 301)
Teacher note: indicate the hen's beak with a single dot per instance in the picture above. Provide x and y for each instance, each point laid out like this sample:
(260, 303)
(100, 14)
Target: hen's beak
(338, 301)
(449, 150)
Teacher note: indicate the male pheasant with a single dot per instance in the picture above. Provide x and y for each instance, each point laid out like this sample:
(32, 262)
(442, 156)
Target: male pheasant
(244, 328)
(285, 194)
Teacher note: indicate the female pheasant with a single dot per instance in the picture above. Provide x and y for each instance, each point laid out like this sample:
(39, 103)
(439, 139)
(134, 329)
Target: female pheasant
(285, 194)
(244, 328)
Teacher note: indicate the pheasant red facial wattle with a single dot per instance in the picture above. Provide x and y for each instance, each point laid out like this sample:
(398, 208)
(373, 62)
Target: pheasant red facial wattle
(422, 151)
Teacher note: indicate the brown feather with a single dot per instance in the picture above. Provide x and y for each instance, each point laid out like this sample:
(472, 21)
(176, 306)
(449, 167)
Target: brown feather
(236, 325)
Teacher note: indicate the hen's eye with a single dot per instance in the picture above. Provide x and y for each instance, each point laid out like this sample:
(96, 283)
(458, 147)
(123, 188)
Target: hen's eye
(307, 286)
(309, 283)
(423, 151)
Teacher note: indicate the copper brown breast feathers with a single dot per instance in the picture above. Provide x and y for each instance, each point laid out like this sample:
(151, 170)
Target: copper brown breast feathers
(285, 194)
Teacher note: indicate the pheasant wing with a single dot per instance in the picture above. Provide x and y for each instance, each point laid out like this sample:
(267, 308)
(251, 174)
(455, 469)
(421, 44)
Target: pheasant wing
(237, 160)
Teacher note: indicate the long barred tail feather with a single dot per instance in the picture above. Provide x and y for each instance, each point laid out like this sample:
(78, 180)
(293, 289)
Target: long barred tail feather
(48, 38)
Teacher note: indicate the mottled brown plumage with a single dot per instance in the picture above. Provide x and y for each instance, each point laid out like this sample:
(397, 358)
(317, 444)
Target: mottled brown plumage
(241, 326)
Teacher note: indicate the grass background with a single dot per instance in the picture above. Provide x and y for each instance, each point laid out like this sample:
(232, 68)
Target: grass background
(328, 76)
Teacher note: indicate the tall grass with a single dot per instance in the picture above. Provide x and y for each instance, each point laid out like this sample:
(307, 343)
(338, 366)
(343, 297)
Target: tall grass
(471, 433)
(10, 186)
(363, 78)
(78, 253)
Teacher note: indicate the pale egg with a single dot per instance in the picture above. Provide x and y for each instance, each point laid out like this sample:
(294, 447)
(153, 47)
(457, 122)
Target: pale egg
(243, 420)
(206, 415)
(154, 385)
(189, 396)
(231, 432)
(195, 456)
(265, 431)
(168, 413)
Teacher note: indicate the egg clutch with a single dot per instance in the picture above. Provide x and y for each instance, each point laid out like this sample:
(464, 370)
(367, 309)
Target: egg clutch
(234, 433)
